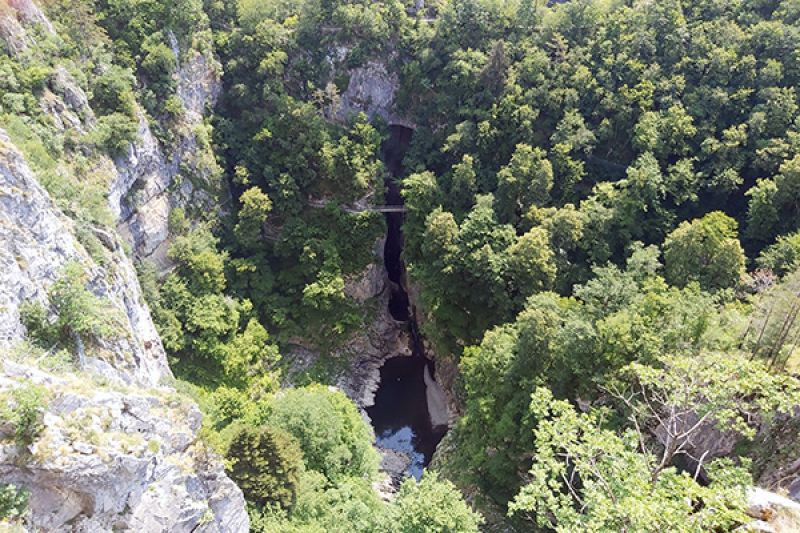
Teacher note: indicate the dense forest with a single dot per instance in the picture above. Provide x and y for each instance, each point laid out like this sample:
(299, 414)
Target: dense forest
(601, 230)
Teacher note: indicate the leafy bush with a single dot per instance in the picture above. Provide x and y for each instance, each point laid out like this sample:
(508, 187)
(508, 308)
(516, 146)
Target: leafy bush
(24, 409)
(79, 314)
(112, 92)
(114, 133)
(266, 464)
(432, 506)
(13, 502)
(335, 439)
(782, 257)
(79, 311)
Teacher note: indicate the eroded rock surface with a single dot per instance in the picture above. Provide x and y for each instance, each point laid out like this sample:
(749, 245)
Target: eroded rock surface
(114, 458)
(36, 242)
(365, 352)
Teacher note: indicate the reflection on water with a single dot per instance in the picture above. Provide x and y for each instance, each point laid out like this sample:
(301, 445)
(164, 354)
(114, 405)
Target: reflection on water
(403, 440)
(400, 414)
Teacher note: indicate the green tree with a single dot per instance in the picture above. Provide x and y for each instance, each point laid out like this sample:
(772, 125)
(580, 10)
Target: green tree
(432, 506)
(250, 354)
(524, 182)
(531, 263)
(705, 250)
(773, 330)
(333, 436)
(463, 184)
(783, 256)
(588, 478)
(255, 208)
(773, 208)
(266, 464)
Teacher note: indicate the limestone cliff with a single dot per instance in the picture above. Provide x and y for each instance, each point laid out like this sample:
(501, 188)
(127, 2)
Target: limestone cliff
(118, 448)
(151, 179)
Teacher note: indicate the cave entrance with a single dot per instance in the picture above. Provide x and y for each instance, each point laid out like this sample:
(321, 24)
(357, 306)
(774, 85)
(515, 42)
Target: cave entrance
(409, 414)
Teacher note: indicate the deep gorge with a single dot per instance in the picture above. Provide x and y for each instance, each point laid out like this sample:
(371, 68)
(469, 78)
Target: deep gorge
(401, 415)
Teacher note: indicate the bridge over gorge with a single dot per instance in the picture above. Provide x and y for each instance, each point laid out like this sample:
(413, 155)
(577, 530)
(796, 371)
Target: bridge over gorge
(361, 208)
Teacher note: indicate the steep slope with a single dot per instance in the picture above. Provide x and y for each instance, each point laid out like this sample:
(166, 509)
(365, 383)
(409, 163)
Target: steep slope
(109, 444)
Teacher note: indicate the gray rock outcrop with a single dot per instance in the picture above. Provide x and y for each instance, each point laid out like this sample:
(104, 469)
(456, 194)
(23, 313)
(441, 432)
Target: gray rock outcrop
(36, 242)
(110, 458)
(149, 183)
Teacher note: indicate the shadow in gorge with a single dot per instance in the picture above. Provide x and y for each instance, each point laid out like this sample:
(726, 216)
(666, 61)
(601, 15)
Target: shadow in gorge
(401, 415)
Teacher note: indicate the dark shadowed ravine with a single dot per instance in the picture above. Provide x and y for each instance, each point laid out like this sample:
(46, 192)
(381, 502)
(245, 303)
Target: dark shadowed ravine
(400, 416)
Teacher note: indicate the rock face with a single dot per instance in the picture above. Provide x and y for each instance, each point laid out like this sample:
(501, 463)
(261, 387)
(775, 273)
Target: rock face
(773, 513)
(366, 351)
(36, 241)
(371, 90)
(446, 369)
(119, 449)
(149, 183)
(118, 459)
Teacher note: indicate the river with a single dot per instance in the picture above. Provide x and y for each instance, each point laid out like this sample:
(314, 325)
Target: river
(409, 414)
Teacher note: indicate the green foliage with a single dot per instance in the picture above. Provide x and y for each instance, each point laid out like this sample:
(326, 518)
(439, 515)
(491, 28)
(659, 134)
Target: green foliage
(569, 345)
(114, 133)
(13, 502)
(526, 181)
(24, 409)
(706, 251)
(617, 488)
(349, 506)
(212, 337)
(782, 257)
(79, 314)
(112, 92)
(266, 465)
(254, 211)
(333, 436)
(773, 327)
(432, 506)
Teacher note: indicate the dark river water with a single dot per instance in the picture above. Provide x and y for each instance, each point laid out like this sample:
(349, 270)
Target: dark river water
(400, 414)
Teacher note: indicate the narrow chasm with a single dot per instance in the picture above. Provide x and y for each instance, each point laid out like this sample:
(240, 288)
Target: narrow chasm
(409, 415)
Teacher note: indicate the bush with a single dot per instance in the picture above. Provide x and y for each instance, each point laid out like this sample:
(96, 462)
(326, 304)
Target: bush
(114, 133)
(112, 92)
(433, 506)
(34, 317)
(79, 311)
(13, 502)
(782, 257)
(24, 408)
(266, 464)
(334, 437)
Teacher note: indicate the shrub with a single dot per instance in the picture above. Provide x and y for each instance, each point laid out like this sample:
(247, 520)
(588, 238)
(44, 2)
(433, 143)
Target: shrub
(24, 408)
(112, 92)
(266, 464)
(80, 313)
(782, 257)
(334, 437)
(114, 133)
(13, 502)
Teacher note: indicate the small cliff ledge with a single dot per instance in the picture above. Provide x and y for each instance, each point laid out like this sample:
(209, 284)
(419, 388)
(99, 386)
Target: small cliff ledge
(112, 457)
